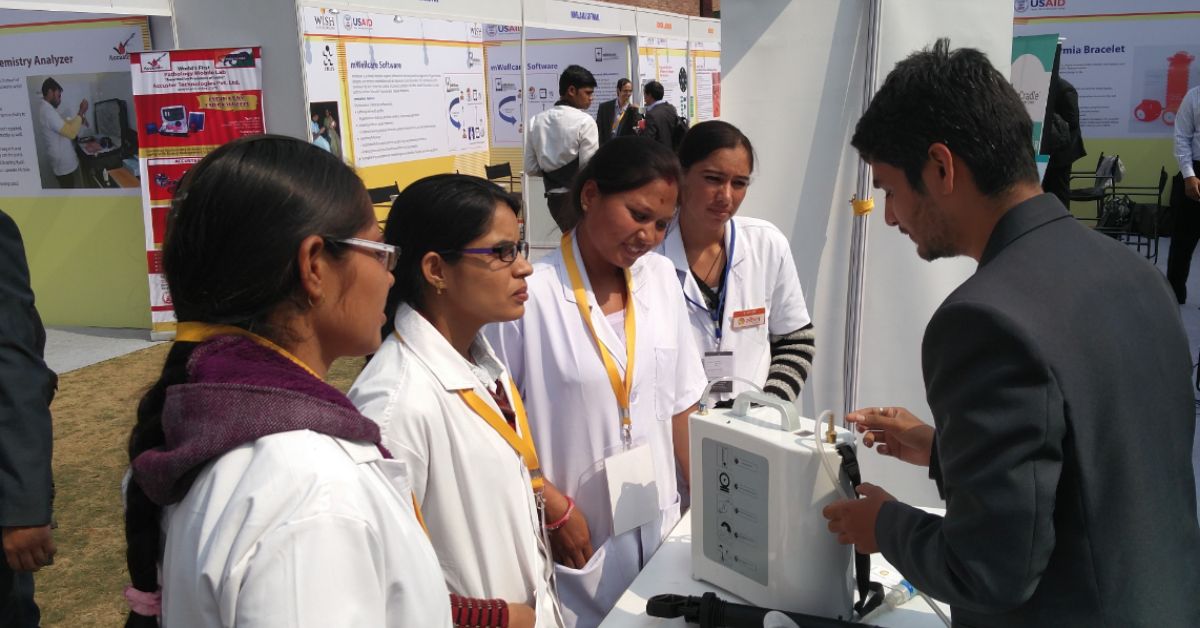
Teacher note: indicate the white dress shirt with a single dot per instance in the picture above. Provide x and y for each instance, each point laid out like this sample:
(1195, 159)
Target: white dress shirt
(1187, 132)
(557, 136)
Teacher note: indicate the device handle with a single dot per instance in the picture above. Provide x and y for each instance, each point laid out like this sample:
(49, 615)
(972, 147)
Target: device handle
(789, 416)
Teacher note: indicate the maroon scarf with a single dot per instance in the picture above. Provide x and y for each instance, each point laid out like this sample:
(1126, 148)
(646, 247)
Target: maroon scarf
(237, 392)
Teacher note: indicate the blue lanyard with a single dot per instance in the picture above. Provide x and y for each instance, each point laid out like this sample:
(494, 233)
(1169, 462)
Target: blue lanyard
(716, 315)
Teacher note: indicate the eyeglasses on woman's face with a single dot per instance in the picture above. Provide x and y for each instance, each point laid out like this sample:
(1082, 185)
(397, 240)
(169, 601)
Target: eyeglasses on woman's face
(385, 254)
(505, 251)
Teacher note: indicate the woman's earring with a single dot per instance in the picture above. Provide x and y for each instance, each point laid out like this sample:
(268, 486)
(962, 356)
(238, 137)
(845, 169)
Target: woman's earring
(440, 286)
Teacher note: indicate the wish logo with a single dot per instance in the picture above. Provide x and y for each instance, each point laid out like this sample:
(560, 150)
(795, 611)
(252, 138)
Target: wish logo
(325, 21)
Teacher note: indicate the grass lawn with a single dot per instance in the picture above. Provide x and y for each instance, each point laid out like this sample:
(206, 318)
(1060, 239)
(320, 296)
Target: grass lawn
(93, 413)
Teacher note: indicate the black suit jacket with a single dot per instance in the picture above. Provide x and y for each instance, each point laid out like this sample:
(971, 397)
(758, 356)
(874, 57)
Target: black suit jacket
(1059, 379)
(604, 120)
(26, 389)
(660, 120)
(1063, 139)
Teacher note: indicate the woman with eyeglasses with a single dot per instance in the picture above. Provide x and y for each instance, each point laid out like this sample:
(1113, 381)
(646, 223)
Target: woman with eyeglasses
(607, 365)
(447, 407)
(259, 495)
(737, 274)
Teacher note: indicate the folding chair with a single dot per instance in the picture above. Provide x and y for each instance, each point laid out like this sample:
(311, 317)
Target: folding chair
(1102, 181)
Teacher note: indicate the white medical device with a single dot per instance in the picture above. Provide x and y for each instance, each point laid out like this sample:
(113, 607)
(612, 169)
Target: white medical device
(758, 488)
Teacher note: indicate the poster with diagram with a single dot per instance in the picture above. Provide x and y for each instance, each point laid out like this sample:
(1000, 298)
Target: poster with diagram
(706, 80)
(398, 97)
(665, 59)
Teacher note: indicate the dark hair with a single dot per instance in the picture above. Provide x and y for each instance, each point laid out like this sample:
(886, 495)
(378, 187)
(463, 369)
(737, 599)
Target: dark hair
(653, 89)
(50, 85)
(956, 98)
(229, 256)
(439, 213)
(575, 76)
(623, 164)
(708, 137)
(621, 83)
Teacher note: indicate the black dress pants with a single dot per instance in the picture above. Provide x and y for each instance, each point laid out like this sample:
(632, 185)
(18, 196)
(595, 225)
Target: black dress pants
(1184, 236)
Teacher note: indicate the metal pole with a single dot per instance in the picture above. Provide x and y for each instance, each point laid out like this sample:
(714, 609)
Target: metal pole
(858, 238)
(523, 99)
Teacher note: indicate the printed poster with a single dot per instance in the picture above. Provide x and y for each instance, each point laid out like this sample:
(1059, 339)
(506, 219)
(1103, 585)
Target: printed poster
(188, 103)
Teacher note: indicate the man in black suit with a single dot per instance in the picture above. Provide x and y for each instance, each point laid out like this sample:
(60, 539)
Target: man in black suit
(1058, 376)
(661, 116)
(26, 389)
(618, 117)
(1062, 138)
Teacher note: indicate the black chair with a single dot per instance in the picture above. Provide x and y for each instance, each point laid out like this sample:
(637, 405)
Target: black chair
(502, 174)
(384, 194)
(1142, 228)
(1102, 182)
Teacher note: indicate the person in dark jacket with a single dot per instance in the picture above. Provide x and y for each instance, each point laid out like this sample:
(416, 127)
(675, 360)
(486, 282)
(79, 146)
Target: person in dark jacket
(661, 116)
(1061, 138)
(618, 117)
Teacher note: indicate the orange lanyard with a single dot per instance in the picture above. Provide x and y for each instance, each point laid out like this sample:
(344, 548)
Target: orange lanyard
(621, 389)
(521, 443)
(192, 331)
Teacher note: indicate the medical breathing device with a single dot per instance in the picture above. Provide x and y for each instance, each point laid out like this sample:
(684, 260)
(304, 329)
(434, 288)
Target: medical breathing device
(758, 488)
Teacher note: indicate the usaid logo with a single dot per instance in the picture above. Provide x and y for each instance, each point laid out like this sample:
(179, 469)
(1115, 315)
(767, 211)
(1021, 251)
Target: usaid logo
(353, 22)
(1021, 6)
(587, 16)
(494, 30)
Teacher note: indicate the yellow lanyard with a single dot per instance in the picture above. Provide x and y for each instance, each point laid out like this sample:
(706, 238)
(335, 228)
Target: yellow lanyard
(617, 121)
(621, 389)
(192, 331)
(522, 443)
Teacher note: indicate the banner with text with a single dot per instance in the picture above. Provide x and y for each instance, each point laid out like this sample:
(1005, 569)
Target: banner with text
(66, 107)
(665, 59)
(188, 103)
(1032, 67)
(706, 81)
(398, 97)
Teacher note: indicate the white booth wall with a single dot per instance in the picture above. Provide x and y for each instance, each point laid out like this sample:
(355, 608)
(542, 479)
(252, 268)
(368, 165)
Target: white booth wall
(793, 73)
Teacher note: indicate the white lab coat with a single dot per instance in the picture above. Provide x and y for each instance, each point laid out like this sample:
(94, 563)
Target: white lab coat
(300, 529)
(575, 419)
(59, 148)
(762, 275)
(474, 490)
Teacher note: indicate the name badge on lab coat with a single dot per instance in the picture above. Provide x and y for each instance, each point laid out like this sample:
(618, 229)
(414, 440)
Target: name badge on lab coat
(632, 491)
(719, 364)
(749, 318)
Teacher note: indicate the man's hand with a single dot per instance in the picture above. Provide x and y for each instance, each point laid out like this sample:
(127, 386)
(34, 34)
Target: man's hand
(28, 548)
(898, 433)
(1191, 188)
(853, 520)
(83, 106)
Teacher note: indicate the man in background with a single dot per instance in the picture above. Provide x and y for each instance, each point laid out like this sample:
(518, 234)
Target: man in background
(561, 140)
(60, 133)
(661, 116)
(1062, 139)
(1185, 194)
(618, 117)
(26, 389)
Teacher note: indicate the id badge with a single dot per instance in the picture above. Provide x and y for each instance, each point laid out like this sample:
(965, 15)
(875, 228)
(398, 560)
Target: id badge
(719, 364)
(749, 318)
(632, 489)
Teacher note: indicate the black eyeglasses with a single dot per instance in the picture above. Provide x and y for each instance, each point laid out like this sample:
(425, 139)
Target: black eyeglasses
(505, 251)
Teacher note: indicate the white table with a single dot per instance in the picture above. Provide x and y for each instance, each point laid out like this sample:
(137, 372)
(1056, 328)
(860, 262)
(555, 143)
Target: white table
(670, 571)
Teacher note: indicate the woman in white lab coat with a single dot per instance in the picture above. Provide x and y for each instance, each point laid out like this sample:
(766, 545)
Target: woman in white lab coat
(446, 405)
(601, 305)
(737, 274)
(258, 491)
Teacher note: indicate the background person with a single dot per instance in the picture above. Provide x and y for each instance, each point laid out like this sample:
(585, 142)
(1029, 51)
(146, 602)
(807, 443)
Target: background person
(260, 491)
(618, 117)
(560, 140)
(1185, 194)
(660, 116)
(26, 389)
(737, 273)
(1043, 387)
(632, 356)
(446, 406)
(60, 133)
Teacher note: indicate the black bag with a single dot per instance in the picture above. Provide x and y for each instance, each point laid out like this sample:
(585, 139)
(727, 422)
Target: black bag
(678, 130)
(1116, 214)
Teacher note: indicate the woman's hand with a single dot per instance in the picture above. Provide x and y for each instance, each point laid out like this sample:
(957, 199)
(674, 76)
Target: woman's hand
(571, 544)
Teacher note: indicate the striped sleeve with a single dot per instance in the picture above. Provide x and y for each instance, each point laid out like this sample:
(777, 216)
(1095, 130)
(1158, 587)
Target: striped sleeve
(791, 360)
